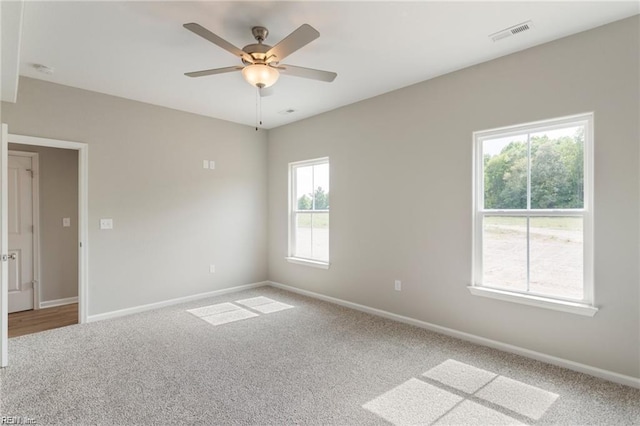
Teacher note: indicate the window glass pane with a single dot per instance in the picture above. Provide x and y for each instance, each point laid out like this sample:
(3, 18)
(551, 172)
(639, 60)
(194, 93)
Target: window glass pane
(556, 256)
(304, 187)
(320, 222)
(310, 230)
(505, 172)
(557, 168)
(303, 235)
(504, 252)
(321, 186)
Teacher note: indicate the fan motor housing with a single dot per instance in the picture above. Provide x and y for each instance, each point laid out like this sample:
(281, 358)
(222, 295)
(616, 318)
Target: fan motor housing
(257, 51)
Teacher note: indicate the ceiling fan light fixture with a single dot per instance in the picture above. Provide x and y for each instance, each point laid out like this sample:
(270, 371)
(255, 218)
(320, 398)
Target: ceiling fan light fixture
(260, 75)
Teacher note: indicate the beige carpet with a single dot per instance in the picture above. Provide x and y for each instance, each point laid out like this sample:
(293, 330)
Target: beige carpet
(269, 357)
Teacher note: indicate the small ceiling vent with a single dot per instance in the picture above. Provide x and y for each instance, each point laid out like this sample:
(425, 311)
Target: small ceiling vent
(508, 32)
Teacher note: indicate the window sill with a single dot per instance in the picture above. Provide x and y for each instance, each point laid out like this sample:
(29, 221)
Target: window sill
(538, 301)
(307, 262)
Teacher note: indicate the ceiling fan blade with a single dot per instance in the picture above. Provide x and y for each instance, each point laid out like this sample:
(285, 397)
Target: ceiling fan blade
(307, 73)
(304, 35)
(219, 41)
(212, 71)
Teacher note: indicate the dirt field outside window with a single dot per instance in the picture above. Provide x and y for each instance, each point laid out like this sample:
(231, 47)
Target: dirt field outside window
(556, 255)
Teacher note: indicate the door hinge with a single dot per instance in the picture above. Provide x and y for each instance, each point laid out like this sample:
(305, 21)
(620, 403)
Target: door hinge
(30, 171)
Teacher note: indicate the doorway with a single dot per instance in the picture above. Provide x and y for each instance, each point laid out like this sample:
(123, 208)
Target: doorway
(82, 226)
(43, 238)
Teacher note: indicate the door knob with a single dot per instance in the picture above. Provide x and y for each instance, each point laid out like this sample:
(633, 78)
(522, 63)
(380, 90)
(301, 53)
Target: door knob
(12, 256)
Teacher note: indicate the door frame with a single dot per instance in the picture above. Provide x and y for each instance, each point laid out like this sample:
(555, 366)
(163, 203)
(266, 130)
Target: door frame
(4, 248)
(83, 226)
(35, 213)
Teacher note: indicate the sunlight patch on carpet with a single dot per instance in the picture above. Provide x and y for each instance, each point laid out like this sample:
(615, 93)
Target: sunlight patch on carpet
(460, 376)
(413, 402)
(222, 313)
(480, 398)
(470, 413)
(255, 301)
(213, 309)
(516, 396)
(264, 305)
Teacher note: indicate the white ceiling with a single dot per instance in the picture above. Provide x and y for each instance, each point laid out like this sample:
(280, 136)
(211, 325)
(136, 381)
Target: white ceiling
(139, 50)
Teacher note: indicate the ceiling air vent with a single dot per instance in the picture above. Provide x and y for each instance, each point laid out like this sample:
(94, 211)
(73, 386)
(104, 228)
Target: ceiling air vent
(508, 32)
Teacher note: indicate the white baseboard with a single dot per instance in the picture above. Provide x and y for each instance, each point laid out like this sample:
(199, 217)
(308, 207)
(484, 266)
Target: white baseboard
(549, 359)
(58, 302)
(150, 306)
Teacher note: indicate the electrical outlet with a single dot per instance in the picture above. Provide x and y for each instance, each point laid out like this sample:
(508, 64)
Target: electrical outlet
(398, 285)
(212, 269)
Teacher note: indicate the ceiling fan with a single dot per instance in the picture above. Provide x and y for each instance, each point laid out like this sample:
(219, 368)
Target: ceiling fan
(262, 65)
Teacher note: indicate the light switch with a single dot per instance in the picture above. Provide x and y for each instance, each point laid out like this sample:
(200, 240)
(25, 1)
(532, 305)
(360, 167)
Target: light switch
(106, 223)
(205, 164)
(212, 164)
(66, 222)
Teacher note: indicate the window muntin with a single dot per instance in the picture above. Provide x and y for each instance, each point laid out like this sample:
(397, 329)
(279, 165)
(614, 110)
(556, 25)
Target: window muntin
(533, 223)
(309, 210)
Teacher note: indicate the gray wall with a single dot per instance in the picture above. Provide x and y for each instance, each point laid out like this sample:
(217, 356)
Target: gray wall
(401, 185)
(58, 183)
(171, 217)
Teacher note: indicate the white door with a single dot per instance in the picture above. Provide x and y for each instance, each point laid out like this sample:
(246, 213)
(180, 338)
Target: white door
(20, 227)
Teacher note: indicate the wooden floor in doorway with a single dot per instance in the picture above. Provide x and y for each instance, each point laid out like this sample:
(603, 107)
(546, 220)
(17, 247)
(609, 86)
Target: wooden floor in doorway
(28, 322)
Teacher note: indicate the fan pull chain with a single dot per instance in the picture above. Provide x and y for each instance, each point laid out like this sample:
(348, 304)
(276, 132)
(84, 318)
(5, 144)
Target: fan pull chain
(257, 98)
(260, 101)
(258, 107)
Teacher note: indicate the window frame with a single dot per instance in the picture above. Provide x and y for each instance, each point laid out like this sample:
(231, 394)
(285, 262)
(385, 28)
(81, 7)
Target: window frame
(293, 211)
(584, 306)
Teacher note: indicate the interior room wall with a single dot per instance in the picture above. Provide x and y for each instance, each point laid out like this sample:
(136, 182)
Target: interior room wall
(58, 187)
(401, 194)
(172, 218)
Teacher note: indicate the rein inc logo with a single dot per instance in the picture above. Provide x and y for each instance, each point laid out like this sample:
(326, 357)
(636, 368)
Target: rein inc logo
(17, 420)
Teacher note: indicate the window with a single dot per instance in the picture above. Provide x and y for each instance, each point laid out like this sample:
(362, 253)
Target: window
(309, 212)
(533, 214)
